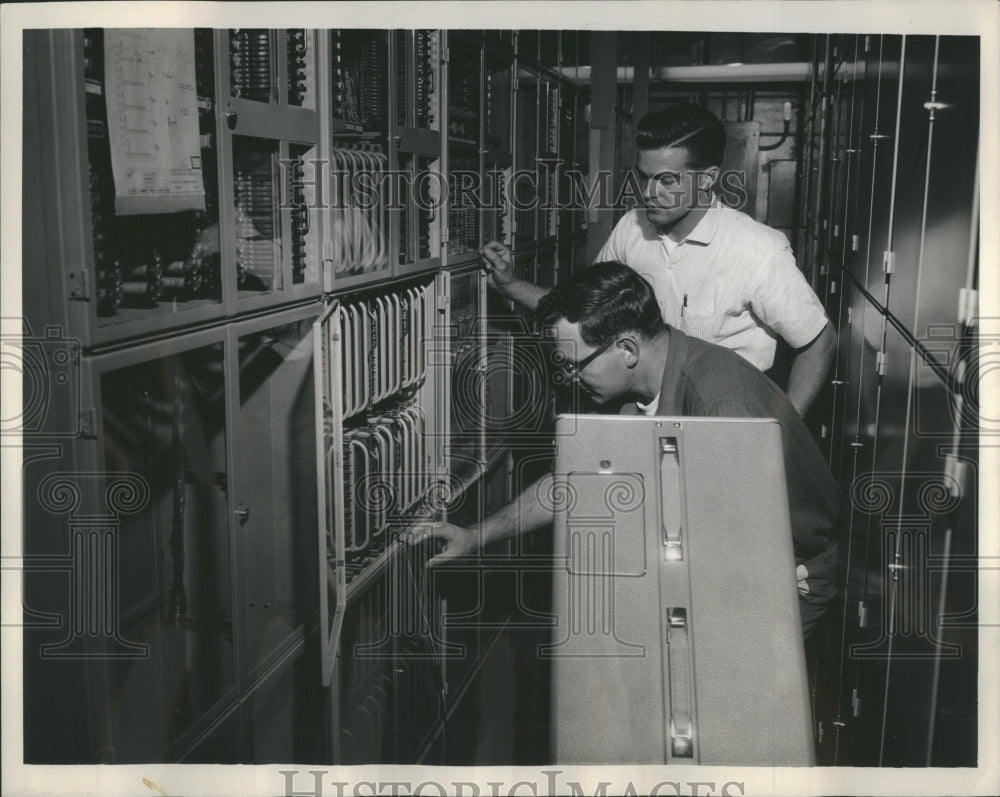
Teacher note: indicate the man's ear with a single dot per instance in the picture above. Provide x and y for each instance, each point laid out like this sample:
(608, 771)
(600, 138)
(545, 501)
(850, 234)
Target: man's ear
(709, 178)
(629, 345)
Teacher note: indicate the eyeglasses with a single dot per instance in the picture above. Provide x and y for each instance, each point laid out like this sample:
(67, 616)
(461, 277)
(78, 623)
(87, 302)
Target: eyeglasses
(574, 369)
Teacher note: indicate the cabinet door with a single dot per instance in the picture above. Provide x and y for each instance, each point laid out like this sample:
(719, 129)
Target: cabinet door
(466, 326)
(274, 493)
(882, 79)
(942, 229)
(272, 176)
(913, 143)
(360, 235)
(463, 159)
(163, 425)
(498, 81)
(128, 166)
(569, 119)
(416, 114)
(528, 94)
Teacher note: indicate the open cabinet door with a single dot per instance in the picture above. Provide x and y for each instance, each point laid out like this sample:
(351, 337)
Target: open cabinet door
(327, 341)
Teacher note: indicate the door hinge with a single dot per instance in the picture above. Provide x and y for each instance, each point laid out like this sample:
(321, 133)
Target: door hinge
(850, 315)
(855, 243)
(855, 703)
(444, 235)
(833, 286)
(888, 261)
(968, 306)
(442, 301)
(445, 56)
(862, 615)
(868, 44)
(327, 250)
(81, 293)
(880, 363)
(88, 423)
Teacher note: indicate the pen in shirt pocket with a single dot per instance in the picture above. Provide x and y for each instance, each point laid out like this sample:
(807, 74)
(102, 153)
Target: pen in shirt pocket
(684, 304)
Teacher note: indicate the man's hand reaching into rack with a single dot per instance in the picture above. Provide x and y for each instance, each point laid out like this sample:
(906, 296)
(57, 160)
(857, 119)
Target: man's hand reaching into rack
(497, 262)
(458, 541)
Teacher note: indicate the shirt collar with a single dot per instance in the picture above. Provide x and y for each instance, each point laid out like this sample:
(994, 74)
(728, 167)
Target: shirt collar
(704, 230)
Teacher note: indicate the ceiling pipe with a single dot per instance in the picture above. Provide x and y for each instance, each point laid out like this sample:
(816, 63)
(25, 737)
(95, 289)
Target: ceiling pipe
(796, 71)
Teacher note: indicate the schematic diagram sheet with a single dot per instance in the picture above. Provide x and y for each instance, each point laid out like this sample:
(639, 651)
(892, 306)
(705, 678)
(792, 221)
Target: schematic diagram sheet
(153, 131)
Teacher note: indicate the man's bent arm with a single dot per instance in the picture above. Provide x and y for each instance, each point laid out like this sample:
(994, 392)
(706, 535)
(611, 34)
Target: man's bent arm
(521, 291)
(810, 368)
(499, 264)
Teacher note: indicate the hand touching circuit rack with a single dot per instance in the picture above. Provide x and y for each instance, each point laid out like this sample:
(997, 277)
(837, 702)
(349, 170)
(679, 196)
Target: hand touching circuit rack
(382, 342)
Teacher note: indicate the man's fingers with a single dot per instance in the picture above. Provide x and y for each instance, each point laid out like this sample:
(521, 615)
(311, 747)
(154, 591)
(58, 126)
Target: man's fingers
(418, 534)
(447, 555)
(494, 252)
(492, 260)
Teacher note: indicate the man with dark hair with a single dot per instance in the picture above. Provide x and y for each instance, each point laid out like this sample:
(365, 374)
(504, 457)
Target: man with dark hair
(717, 274)
(610, 338)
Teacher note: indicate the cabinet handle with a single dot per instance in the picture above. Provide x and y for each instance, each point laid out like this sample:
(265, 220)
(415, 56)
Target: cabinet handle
(243, 514)
(232, 118)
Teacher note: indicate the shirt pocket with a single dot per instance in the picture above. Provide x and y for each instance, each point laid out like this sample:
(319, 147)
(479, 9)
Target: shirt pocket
(702, 324)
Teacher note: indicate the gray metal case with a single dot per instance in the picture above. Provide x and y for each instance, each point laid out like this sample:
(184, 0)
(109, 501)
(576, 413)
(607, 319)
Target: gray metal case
(678, 637)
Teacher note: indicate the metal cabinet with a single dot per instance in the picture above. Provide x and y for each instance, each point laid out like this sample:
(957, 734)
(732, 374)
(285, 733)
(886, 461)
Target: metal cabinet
(498, 145)
(901, 415)
(935, 227)
(361, 246)
(383, 148)
(158, 230)
(179, 291)
(418, 119)
(269, 141)
(382, 429)
(463, 75)
(882, 68)
(193, 459)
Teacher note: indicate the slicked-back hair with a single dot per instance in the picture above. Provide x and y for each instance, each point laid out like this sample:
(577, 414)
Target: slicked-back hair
(684, 125)
(607, 300)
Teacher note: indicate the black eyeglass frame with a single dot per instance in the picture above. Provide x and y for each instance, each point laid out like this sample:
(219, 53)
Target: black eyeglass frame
(574, 369)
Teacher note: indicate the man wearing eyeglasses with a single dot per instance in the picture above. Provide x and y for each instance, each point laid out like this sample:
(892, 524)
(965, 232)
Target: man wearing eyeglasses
(717, 274)
(610, 339)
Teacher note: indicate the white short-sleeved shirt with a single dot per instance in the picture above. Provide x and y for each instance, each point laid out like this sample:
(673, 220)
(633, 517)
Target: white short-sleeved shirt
(731, 281)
